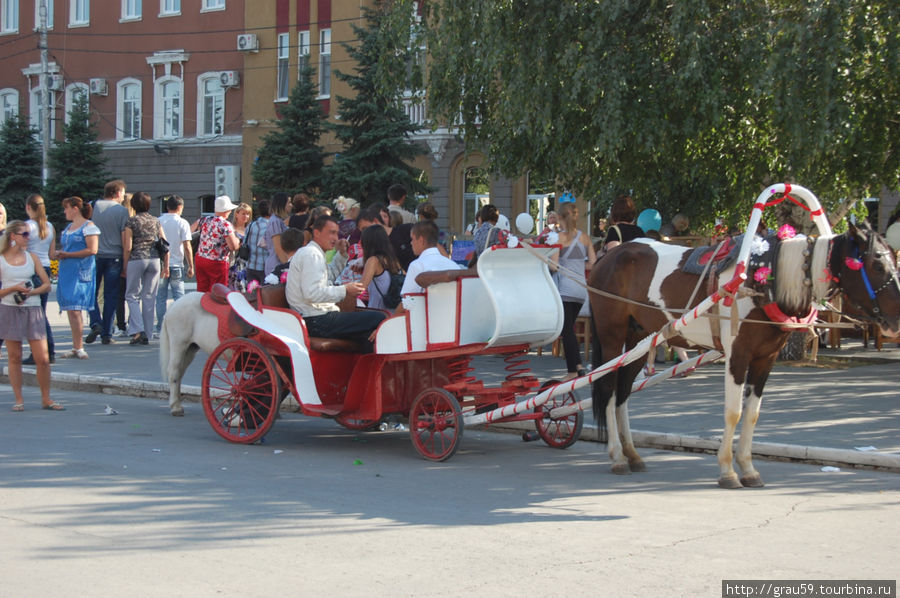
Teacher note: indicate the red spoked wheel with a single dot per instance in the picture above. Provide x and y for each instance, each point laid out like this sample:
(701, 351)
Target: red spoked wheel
(357, 424)
(436, 424)
(562, 432)
(241, 390)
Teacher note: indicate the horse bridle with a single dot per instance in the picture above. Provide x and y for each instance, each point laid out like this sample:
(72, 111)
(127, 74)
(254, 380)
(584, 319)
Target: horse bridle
(855, 253)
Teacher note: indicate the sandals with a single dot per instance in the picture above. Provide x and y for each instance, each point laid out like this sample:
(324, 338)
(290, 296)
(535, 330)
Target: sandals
(75, 353)
(18, 407)
(53, 407)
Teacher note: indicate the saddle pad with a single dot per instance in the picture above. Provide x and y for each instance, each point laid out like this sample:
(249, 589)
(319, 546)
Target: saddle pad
(699, 258)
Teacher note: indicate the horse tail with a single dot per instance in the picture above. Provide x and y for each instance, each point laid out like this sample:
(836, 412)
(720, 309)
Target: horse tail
(600, 398)
(164, 350)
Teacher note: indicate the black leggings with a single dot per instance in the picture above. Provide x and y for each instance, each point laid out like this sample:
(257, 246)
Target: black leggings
(569, 342)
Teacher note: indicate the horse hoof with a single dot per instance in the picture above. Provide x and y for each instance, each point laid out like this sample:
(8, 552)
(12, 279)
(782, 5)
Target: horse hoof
(729, 482)
(621, 469)
(177, 412)
(752, 481)
(637, 466)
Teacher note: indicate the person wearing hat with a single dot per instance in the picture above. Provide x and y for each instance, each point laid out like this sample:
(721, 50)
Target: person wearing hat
(217, 241)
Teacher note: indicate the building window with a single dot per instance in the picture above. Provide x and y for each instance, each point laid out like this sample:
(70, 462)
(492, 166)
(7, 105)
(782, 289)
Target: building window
(167, 109)
(131, 9)
(9, 16)
(128, 109)
(302, 51)
(283, 59)
(9, 104)
(35, 112)
(325, 63)
(79, 12)
(211, 105)
(73, 91)
(213, 5)
(169, 7)
(37, 14)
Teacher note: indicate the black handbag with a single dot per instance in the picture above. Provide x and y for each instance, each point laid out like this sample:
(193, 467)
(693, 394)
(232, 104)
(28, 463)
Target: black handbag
(161, 246)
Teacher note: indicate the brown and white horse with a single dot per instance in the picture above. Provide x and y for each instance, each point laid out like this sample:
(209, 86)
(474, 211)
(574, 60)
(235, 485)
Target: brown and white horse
(650, 275)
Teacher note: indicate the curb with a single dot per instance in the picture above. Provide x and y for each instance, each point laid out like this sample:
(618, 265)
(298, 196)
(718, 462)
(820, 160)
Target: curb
(645, 439)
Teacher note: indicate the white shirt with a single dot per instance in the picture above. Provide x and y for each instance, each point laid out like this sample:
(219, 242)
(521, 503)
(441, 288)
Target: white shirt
(429, 260)
(308, 290)
(177, 231)
(408, 217)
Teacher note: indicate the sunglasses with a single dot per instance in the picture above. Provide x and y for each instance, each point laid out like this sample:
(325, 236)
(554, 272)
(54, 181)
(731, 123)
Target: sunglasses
(26, 234)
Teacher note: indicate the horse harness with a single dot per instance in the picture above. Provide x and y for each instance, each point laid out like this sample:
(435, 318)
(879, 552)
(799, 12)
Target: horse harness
(861, 257)
(762, 270)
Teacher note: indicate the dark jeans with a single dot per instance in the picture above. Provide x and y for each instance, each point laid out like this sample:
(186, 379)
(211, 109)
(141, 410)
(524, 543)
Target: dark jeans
(109, 270)
(51, 347)
(351, 325)
(569, 341)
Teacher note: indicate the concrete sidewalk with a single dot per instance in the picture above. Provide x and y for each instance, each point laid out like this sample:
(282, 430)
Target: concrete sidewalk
(810, 413)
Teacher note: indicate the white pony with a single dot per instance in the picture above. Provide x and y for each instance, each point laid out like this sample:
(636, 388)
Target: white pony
(186, 329)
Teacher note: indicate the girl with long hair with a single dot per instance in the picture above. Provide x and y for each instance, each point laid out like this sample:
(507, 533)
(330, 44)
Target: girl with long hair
(380, 263)
(41, 242)
(76, 280)
(23, 280)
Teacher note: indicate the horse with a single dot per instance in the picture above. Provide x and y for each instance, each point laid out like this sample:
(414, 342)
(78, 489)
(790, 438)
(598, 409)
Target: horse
(784, 287)
(186, 329)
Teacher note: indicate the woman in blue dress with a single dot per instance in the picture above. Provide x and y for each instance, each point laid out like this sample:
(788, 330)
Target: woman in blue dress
(75, 290)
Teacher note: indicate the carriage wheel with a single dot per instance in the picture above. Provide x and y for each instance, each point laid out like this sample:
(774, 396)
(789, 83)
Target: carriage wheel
(562, 432)
(357, 424)
(241, 390)
(435, 424)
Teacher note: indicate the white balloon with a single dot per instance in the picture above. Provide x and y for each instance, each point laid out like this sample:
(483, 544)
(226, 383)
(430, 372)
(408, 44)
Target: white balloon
(503, 222)
(525, 223)
(892, 235)
(513, 241)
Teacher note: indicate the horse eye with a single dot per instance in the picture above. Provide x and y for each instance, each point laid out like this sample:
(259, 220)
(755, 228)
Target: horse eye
(878, 266)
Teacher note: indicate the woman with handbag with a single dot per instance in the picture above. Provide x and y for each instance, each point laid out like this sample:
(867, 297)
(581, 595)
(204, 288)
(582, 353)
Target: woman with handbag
(77, 275)
(144, 246)
(41, 242)
(237, 272)
(21, 317)
(380, 266)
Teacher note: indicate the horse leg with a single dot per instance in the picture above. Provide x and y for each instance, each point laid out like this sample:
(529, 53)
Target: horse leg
(626, 378)
(756, 380)
(178, 364)
(614, 443)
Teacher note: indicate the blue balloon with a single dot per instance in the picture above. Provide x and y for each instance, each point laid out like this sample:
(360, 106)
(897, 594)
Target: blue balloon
(649, 220)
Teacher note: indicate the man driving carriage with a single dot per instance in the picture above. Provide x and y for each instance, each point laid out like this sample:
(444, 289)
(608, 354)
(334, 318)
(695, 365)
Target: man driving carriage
(309, 293)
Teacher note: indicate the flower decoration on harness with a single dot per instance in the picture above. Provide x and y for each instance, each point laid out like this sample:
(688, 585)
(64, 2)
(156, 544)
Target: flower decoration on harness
(786, 231)
(853, 263)
(758, 246)
(763, 275)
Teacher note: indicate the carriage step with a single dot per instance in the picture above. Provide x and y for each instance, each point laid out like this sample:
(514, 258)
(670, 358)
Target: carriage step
(320, 410)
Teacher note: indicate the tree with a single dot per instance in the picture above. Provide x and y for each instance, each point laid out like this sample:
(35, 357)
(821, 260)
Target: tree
(691, 106)
(290, 158)
(77, 165)
(374, 129)
(20, 165)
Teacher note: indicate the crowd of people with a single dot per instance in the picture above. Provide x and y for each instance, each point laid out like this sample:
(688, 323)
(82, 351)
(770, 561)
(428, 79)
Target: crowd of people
(344, 269)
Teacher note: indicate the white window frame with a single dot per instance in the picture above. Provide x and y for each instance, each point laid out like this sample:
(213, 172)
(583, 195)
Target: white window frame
(132, 10)
(169, 8)
(37, 14)
(9, 16)
(219, 99)
(121, 113)
(282, 76)
(302, 50)
(9, 104)
(79, 13)
(71, 91)
(34, 111)
(324, 63)
(210, 5)
(162, 113)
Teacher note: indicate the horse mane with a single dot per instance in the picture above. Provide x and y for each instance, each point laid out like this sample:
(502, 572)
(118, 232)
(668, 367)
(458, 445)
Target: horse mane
(791, 294)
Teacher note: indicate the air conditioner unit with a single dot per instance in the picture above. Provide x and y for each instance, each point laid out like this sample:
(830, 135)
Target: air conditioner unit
(55, 82)
(99, 87)
(248, 42)
(227, 182)
(229, 78)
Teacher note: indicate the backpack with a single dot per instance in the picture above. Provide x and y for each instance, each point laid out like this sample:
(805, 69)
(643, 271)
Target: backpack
(392, 298)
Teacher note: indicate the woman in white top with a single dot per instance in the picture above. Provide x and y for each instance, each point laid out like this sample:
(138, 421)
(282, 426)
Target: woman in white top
(21, 318)
(41, 242)
(380, 264)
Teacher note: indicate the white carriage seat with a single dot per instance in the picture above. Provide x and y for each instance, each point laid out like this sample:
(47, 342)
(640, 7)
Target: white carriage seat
(287, 328)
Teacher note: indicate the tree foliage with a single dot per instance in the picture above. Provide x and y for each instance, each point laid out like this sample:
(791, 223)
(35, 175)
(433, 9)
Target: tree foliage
(77, 165)
(691, 106)
(290, 158)
(373, 127)
(20, 165)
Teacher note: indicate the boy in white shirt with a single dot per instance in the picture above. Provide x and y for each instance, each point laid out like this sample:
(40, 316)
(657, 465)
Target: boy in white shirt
(178, 233)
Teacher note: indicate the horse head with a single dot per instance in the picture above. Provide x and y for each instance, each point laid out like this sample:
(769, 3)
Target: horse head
(865, 269)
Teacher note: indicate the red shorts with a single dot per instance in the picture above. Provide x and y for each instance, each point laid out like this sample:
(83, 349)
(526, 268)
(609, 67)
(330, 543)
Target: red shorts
(209, 272)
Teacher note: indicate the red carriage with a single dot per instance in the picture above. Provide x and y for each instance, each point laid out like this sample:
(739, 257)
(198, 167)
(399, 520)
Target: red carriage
(420, 369)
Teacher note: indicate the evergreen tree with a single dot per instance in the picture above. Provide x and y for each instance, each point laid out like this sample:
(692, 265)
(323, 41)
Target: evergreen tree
(373, 127)
(20, 165)
(77, 165)
(290, 158)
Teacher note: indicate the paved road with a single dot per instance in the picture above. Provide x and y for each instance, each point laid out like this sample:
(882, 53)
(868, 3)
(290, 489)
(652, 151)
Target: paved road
(143, 504)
